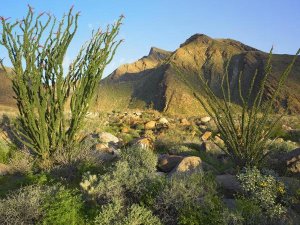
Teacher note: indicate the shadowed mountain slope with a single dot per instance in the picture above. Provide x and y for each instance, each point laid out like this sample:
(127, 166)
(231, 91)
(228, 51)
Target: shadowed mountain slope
(167, 80)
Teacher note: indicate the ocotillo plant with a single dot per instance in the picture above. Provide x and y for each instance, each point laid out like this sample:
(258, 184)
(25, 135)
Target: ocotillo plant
(36, 47)
(245, 133)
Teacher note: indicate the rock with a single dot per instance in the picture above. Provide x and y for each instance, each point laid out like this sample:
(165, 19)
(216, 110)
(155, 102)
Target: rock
(230, 203)
(287, 128)
(137, 113)
(188, 164)
(104, 153)
(206, 136)
(292, 161)
(166, 163)
(229, 183)
(205, 119)
(219, 141)
(144, 143)
(150, 125)
(100, 146)
(163, 120)
(203, 128)
(185, 122)
(125, 130)
(5, 169)
(106, 137)
(211, 148)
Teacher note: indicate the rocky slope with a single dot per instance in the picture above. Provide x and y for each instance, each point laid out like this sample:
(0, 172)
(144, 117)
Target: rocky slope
(155, 81)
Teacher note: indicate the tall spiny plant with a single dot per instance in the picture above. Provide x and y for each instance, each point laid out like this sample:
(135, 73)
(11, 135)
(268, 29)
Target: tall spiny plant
(36, 47)
(245, 132)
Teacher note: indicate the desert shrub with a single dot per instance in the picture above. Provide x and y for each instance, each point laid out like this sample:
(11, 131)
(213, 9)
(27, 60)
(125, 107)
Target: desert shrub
(140, 216)
(279, 146)
(263, 194)
(182, 194)
(63, 206)
(23, 206)
(128, 179)
(36, 47)
(116, 214)
(210, 211)
(245, 132)
(21, 161)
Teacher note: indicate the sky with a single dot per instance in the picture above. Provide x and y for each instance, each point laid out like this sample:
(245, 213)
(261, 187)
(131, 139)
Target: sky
(168, 23)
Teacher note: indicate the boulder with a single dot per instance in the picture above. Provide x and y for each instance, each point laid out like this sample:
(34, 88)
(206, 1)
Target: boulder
(187, 164)
(125, 130)
(206, 136)
(205, 119)
(211, 148)
(185, 122)
(166, 163)
(104, 153)
(203, 128)
(144, 143)
(5, 169)
(163, 120)
(150, 125)
(106, 137)
(228, 183)
(292, 161)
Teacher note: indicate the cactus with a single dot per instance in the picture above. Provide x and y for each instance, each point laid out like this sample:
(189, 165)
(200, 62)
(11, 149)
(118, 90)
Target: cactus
(44, 92)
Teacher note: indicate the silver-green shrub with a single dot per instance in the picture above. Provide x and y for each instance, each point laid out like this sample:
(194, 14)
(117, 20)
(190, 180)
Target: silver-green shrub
(264, 191)
(128, 179)
(115, 214)
(23, 206)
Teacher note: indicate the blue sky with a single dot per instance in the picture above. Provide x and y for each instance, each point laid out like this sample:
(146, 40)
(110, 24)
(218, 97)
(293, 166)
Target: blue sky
(168, 23)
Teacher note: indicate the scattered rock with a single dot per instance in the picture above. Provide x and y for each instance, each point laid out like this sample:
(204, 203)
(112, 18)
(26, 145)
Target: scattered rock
(137, 113)
(206, 136)
(229, 183)
(219, 141)
(5, 169)
(166, 163)
(125, 130)
(144, 143)
(205, 119)
(185, 122)
(211, 148)
(150, 125)
(287, 128)
(203, 128)
(188, 164)
(292, 160)
(103, 152)
(106, 137)
(163, 120)
(100, 146)
(230, 203)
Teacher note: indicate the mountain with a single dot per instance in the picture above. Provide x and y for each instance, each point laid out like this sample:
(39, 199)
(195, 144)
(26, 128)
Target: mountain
(6, 91)
(167, 81)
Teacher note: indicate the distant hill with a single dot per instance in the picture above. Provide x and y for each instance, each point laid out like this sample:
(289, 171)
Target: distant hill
(154, 79)
(6, 91)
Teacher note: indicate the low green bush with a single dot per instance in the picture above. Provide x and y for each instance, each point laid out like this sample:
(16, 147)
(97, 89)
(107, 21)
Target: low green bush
(63, 206)
(129, 178)
(263, 195)
(23, 206)
(184, 193)
(116, 214)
